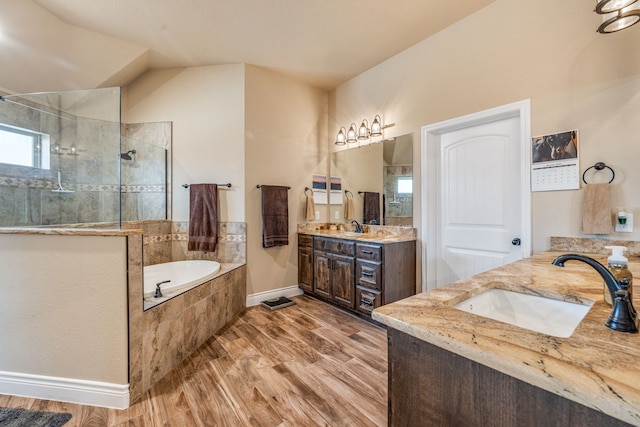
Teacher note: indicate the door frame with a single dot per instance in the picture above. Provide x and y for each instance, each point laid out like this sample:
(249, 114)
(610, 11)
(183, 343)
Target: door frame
(430, 160)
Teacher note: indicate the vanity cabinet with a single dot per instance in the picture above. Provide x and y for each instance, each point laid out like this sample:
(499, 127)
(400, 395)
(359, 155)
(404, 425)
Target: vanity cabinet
(333, 270)
(305, 262)
(356, 275)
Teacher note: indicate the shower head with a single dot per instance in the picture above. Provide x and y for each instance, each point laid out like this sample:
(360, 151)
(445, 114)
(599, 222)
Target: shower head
(127, 155)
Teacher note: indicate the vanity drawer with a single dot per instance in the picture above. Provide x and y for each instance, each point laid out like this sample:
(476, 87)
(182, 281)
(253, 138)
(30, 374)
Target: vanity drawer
(369, 274)
(335, 246)
(369, 251)
(367, 300)
(305, 240)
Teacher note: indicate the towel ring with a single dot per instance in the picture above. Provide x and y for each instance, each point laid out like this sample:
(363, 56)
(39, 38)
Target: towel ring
(599, 166)
(347, 193)
(308, 189)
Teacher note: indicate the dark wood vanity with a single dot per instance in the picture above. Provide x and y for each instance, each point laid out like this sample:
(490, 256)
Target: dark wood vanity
(358, 275)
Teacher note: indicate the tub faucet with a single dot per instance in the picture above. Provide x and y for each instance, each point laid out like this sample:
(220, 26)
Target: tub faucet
(358, 226)
(623, 317)
(158, 293)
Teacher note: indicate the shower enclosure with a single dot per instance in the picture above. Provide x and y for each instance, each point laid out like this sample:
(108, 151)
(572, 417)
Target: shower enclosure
(61, 162)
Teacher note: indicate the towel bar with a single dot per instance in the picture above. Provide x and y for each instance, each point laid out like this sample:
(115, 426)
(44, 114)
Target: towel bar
(219, 185)
(260, 185)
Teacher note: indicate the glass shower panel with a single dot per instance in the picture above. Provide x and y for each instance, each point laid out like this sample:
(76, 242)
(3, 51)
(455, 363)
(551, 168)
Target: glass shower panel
(74, 176)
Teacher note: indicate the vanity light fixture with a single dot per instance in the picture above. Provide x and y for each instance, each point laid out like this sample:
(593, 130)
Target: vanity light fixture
(341, 137)
(72, 150)
(352, 134)
(617, 14)
(363, 131)
(376, 126)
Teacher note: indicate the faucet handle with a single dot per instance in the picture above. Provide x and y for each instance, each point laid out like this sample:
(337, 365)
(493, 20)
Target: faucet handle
(623, 316)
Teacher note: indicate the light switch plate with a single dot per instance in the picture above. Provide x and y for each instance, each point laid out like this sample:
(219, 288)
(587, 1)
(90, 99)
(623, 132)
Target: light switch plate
(626, 227)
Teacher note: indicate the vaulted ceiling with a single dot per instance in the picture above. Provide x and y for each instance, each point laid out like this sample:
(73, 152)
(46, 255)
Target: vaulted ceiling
(66, 44)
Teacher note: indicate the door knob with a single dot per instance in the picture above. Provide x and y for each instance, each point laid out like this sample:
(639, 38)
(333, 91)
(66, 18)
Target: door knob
(516, 242)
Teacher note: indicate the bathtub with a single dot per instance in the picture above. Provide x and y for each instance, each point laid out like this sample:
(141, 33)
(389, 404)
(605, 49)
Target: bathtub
(183, 275)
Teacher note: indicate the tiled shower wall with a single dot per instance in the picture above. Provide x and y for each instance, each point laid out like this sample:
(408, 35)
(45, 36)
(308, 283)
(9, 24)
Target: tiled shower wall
(146, 184)
(26, 196)
(166, 241)
(400, 212)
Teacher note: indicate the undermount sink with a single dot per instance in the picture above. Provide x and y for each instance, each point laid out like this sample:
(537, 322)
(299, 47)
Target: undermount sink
(353, 233)
(536, 313)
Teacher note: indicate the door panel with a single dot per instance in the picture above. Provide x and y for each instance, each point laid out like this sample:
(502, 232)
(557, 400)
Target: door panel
(480, 199)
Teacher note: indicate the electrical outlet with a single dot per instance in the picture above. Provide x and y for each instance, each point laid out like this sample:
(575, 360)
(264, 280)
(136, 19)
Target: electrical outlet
(624, 222)
(317, 215)
(337, 216)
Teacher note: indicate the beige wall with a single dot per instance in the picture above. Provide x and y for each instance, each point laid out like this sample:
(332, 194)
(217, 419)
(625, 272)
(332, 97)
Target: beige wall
(285, 144)
(544, 50)
(64, 322)
(245, 125)
(206, 107)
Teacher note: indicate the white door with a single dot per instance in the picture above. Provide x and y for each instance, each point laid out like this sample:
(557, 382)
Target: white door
(478, 197)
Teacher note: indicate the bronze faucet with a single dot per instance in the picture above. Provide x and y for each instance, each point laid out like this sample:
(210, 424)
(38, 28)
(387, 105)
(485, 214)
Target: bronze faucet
(623, 317)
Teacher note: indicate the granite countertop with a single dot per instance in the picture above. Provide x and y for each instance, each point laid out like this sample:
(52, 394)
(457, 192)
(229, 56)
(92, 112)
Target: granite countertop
(371, 236)
(595, 366)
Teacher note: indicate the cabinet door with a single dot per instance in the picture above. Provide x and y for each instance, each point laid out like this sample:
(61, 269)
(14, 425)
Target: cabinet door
(305, 269)
(343, 280)
(322, 274)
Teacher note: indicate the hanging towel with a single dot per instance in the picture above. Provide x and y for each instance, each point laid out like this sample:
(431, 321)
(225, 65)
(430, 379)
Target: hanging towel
(371, 208)
(596, 210)
(275, 216)
(310, 209)
(349, 210)
(203, 217)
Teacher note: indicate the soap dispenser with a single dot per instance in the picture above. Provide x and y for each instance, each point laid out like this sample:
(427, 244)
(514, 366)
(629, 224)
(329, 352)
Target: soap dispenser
(617, 264)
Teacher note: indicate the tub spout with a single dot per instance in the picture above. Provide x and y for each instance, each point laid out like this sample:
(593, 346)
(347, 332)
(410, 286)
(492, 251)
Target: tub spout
(158, 293)
(623, 318)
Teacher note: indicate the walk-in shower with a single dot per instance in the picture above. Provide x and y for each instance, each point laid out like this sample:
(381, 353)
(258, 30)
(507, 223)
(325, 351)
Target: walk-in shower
(62, 157)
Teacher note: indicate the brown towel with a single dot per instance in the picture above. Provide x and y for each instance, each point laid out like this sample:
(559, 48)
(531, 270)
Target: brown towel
(275, 216)
(371, 208)
(596, 209)
(310, 210)
(349, 210)
(203, 217)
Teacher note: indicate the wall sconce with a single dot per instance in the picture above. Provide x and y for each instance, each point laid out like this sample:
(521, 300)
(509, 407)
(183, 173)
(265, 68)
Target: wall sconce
(617, 14)
(341, 137)
(354, 134)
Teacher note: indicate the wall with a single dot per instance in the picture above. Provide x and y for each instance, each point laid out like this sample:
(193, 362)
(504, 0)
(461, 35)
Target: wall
(539, 49)
(39, 336)
(206, 107)
(285, 144)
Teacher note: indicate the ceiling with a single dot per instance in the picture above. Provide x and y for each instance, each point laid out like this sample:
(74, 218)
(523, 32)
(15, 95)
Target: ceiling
(322, 42)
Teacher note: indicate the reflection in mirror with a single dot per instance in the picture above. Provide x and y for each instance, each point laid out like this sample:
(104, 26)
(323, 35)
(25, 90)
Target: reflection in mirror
(384, 168)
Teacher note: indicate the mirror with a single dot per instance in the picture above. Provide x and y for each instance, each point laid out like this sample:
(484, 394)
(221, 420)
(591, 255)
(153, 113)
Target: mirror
(385, 169)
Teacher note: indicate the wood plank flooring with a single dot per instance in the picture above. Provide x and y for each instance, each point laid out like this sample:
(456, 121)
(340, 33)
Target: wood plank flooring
(310, 364)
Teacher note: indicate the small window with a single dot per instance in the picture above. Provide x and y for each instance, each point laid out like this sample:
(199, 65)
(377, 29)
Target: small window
(405, 185)
(23, 147)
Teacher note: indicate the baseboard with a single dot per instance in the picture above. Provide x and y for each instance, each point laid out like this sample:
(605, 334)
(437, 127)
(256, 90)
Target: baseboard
(290, 291)
(65, 390)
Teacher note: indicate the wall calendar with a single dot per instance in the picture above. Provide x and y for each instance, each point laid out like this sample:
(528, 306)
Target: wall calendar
(554, 164)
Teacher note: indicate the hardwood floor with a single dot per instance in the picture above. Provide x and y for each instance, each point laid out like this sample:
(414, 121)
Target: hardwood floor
(310, 364)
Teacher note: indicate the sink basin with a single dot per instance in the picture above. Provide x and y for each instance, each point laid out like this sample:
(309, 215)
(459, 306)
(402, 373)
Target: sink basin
(536, 313)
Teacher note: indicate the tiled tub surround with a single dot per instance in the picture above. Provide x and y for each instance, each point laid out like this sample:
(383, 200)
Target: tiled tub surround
(160, 337)
(595, 367)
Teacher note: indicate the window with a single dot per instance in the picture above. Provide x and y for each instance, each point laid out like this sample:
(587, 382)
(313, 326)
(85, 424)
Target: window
(23, 147)
(405, 185)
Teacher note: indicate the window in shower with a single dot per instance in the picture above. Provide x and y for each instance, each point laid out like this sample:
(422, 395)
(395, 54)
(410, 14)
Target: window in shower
(23, 147)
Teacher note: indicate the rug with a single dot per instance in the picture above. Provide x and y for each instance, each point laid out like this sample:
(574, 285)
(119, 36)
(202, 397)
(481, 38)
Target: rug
(18, 417)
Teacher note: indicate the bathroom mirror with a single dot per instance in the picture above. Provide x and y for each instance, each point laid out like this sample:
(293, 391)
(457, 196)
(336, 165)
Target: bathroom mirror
(385, 168)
